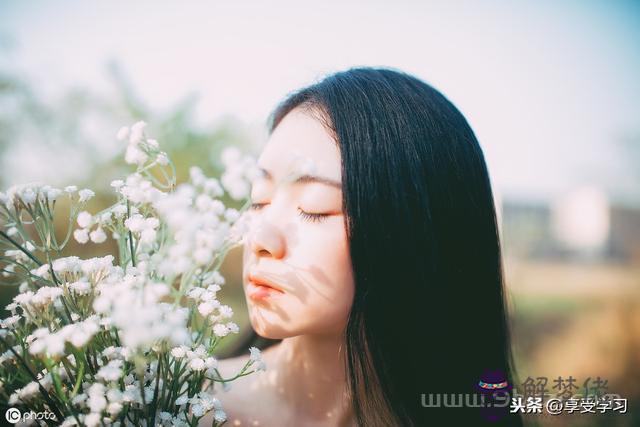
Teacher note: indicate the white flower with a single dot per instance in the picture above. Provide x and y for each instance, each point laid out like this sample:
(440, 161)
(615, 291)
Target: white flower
(217, 207)
(226, 311)
(137, 132)
(110, 372)
(114, 408)
(84, 219)
(9, 322)
(230, 156)
(206, 308)
(202, 256)
(81, 235)
(145, 227)
(105, 218)
(79, 338)
(81, 287)
(53, 194)
(236, 186)
(220, 330)
(122, 134)
(209, 295)
(148, 235)
(98, 235)
(197, 410)
(256, 358)
(203, 202)
(135, 223)
(196, 175)
(197, 364)
(139, 190)
(117, 183)
(45, 296)
(255, 354)
(138, 302)
(114, 395)
(162, 159)
(86, 194)
(194, 293)
(233, 327)
(178, 352)
(25, 393)
(200, 352)
(93, 419)
(218, 278)
(120, 210)
(79, 398)
(135, 156)
(212, 187)
(219, 415)
(52, 344)
(28, 196)
(211, 362)
(231, 214)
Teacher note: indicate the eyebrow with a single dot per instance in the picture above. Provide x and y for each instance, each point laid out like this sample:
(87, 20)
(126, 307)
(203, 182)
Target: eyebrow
(303, 179)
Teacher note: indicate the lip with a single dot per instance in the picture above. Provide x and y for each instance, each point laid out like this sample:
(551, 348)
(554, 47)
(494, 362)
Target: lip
(259, 288)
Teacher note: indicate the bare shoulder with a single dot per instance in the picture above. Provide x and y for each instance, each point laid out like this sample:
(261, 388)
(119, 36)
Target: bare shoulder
(239, 399)
(231, 366)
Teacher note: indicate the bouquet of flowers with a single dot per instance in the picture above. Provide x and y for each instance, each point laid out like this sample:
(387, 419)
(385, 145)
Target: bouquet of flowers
(124, 339)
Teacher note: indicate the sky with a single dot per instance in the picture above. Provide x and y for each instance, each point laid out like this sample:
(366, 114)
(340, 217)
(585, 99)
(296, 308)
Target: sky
(550, 88)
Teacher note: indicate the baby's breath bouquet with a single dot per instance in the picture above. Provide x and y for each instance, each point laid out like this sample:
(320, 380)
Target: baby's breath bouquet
(129, 338)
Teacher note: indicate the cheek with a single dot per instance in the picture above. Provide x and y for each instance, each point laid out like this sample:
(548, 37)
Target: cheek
(330, 286)
(318, 268)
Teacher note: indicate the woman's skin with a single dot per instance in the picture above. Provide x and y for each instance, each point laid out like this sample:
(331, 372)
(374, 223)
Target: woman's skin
(308, 260)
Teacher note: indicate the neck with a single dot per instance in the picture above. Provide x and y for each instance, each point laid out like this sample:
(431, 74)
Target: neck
(309, 373)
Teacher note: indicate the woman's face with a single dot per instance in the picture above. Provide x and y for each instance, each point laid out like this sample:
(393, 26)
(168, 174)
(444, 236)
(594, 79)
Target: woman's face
(297, 241)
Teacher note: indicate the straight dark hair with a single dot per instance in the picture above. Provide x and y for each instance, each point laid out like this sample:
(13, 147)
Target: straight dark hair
(429, 313)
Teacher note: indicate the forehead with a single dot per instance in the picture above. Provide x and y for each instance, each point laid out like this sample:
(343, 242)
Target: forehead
(301, 134)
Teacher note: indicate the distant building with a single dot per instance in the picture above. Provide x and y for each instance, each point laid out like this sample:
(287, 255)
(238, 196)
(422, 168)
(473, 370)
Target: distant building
(526, 230)
(624, 239)
(580, 221)
(580, 226)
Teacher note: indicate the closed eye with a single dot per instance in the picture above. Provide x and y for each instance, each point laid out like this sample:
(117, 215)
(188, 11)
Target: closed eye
(307, 216)
(312, 217)
(256, 206)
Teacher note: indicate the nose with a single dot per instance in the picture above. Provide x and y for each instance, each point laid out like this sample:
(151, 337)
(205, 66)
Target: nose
(267, 240)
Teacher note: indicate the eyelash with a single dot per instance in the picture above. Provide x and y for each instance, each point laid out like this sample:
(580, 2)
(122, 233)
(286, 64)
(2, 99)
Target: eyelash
(310, 217)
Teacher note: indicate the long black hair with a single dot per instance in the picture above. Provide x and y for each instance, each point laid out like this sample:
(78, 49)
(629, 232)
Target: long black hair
(429, 313)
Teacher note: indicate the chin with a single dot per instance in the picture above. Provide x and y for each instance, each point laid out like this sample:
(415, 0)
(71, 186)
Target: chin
(266, 328)
(268, 335)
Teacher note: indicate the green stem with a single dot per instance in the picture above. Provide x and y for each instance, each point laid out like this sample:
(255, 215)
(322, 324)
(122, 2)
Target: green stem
(26, 252)
(154, 402)
(45, 394)
(133, 256)
(79, 378)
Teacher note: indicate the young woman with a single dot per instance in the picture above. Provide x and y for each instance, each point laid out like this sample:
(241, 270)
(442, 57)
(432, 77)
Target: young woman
(374, 269)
